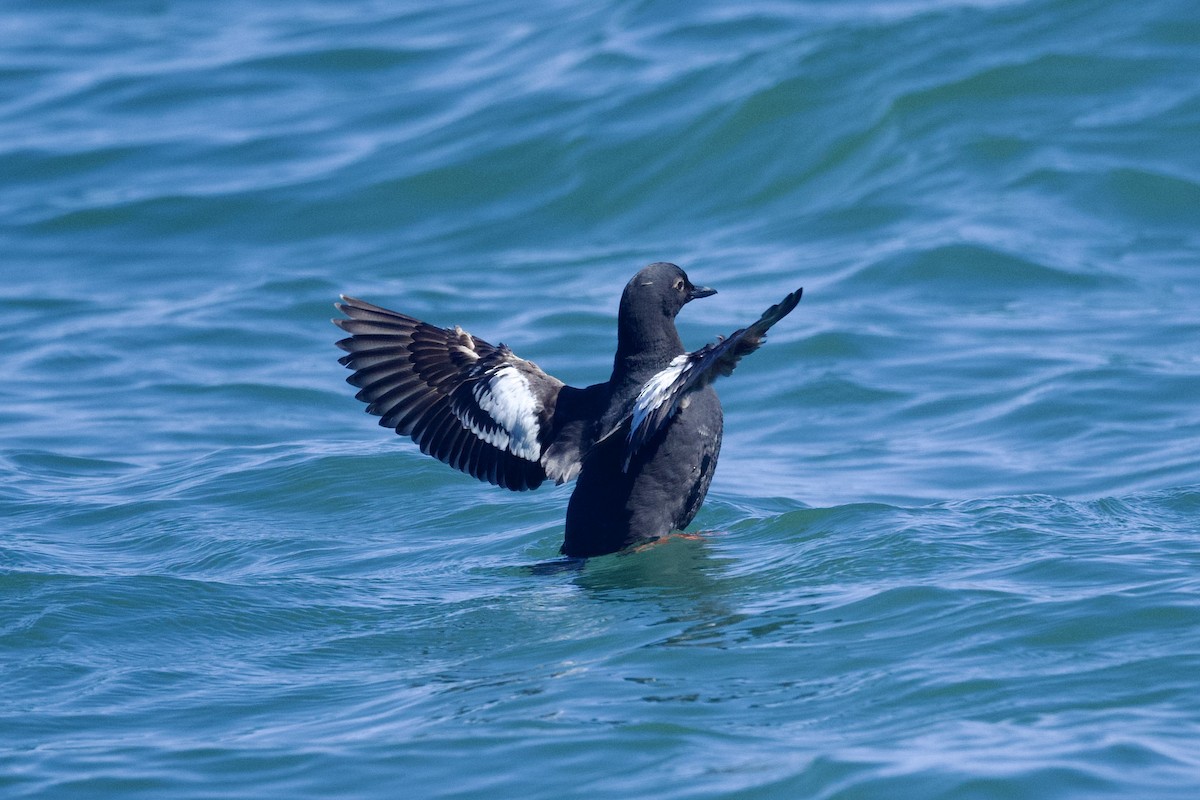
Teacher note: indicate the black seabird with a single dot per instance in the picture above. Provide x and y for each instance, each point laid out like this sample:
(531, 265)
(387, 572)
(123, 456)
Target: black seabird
(642, 445)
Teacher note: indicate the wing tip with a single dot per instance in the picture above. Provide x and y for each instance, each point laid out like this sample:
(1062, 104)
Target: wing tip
(353, 307)
(781, 309)
(792, 299)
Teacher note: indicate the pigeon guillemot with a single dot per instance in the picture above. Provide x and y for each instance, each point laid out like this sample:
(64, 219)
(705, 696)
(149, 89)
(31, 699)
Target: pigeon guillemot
(643, 445)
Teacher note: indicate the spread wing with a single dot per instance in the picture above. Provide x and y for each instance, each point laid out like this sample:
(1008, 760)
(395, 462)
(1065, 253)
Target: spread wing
(473, 405)
(659, 399)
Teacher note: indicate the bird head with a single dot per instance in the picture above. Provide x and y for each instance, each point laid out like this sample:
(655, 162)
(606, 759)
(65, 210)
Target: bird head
(660, 289)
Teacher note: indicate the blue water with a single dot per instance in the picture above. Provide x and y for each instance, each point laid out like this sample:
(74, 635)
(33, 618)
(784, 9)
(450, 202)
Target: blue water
(952, 549)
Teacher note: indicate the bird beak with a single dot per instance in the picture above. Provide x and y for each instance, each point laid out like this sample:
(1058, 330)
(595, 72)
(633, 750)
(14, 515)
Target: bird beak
(699, 291)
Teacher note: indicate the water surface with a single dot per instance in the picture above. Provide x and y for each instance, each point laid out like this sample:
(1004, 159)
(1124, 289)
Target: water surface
(951, 547)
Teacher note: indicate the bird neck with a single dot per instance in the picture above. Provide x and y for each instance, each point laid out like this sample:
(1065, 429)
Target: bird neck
(645, 345)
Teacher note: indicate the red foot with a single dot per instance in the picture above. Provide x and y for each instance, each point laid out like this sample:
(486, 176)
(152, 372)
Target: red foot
(694, 537)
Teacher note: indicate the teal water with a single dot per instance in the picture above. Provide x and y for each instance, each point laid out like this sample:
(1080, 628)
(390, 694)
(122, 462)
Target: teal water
(952, 549)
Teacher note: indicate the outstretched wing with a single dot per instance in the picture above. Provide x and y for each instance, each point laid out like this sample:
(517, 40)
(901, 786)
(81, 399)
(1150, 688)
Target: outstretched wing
(473, 405)
(659, 399)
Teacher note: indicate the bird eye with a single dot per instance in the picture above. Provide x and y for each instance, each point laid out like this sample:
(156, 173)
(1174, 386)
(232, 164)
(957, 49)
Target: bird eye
(679, 284)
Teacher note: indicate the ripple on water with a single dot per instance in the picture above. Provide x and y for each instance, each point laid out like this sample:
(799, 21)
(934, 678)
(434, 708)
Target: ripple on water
(950, 548)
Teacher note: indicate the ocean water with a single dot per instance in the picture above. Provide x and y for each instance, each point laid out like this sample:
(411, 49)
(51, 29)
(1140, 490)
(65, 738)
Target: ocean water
(952, 549)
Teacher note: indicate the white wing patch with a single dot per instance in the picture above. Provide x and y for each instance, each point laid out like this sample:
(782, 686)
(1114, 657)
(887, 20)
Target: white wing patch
(507, 399)
(657, 391)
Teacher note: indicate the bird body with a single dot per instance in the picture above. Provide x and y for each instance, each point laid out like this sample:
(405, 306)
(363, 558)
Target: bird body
(614, 506)
(642, 445)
